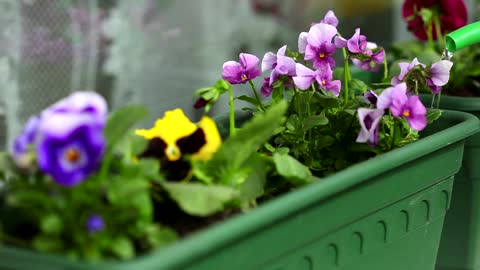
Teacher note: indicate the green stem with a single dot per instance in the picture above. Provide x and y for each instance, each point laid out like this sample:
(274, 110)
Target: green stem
(385, 68)
(232, 112)
(346, 72)
(430, 35)
(438, 30)
(256, 95)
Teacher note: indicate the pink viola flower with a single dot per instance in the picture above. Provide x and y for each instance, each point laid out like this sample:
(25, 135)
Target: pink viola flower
(376, 58)
(439, 75)
(279, 64)
(329, 18)
(305, 77)
(243, 71)
(302, 42)
(369, 125)
(405, 68)
(356, 44)
(402, 105)
(319, 47)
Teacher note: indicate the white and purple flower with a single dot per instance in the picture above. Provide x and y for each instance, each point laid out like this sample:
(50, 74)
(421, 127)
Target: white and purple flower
(369, 123)
(439, 75)
(243, 71)
(323, 76)
(279, 64)
(405, 69)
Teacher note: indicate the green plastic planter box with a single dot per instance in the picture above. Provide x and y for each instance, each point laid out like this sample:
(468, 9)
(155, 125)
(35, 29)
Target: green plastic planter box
(460, 244)
(385, 213)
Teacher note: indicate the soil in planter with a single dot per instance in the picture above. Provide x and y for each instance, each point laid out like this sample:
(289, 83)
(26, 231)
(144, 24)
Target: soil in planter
(168, 213)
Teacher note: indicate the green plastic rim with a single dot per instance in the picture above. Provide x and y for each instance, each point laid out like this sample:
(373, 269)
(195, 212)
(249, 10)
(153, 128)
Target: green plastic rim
(466, 104)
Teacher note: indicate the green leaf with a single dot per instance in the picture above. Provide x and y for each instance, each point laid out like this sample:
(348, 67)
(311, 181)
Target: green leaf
(198, 199)
(292, 169)
(47, 243)
(122, 247)
(433, 114)
(121, 121)
(51, 224)
(250, 100)
(315, 121)
(326, 102)
(233, 153)
(253, 187)
(159, 236)
(358, 85)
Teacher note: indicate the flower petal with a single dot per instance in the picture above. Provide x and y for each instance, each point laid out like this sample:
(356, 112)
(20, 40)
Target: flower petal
(441, 72)
(282, 50)
(321, 33)
(249, 61)
(269, 61)
(302, 42)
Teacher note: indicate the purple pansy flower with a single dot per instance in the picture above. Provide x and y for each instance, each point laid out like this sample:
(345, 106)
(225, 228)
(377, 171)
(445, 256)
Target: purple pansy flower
(386, 98)
(87, 102)
(70, 147)
(281, 64)
(94, 223)
(24, 140)
(305, 77)
(402, 105)
(369, 123)
(371, 97)
(405, 68)
(243, 71)
(320, 48)
(267, 88)
(376, 58)
(440, 74)
(356, 44)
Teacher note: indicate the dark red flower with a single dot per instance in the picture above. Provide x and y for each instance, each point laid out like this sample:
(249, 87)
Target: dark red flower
(453, 15)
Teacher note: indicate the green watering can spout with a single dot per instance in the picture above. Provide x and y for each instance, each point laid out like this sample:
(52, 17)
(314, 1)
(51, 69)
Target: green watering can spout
(463, 37)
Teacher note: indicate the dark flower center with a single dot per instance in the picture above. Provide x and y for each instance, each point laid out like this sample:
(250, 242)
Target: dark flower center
(368, 121)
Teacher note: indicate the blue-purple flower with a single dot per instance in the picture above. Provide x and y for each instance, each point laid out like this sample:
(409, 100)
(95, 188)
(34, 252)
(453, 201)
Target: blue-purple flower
(439, 75)
(70, 147)
(86, 102)
(319, 47)
(402, 105)
(94, 223)
(243, 71)
(24, 141)
(323, 76)
(369, 123)
(279, 64)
